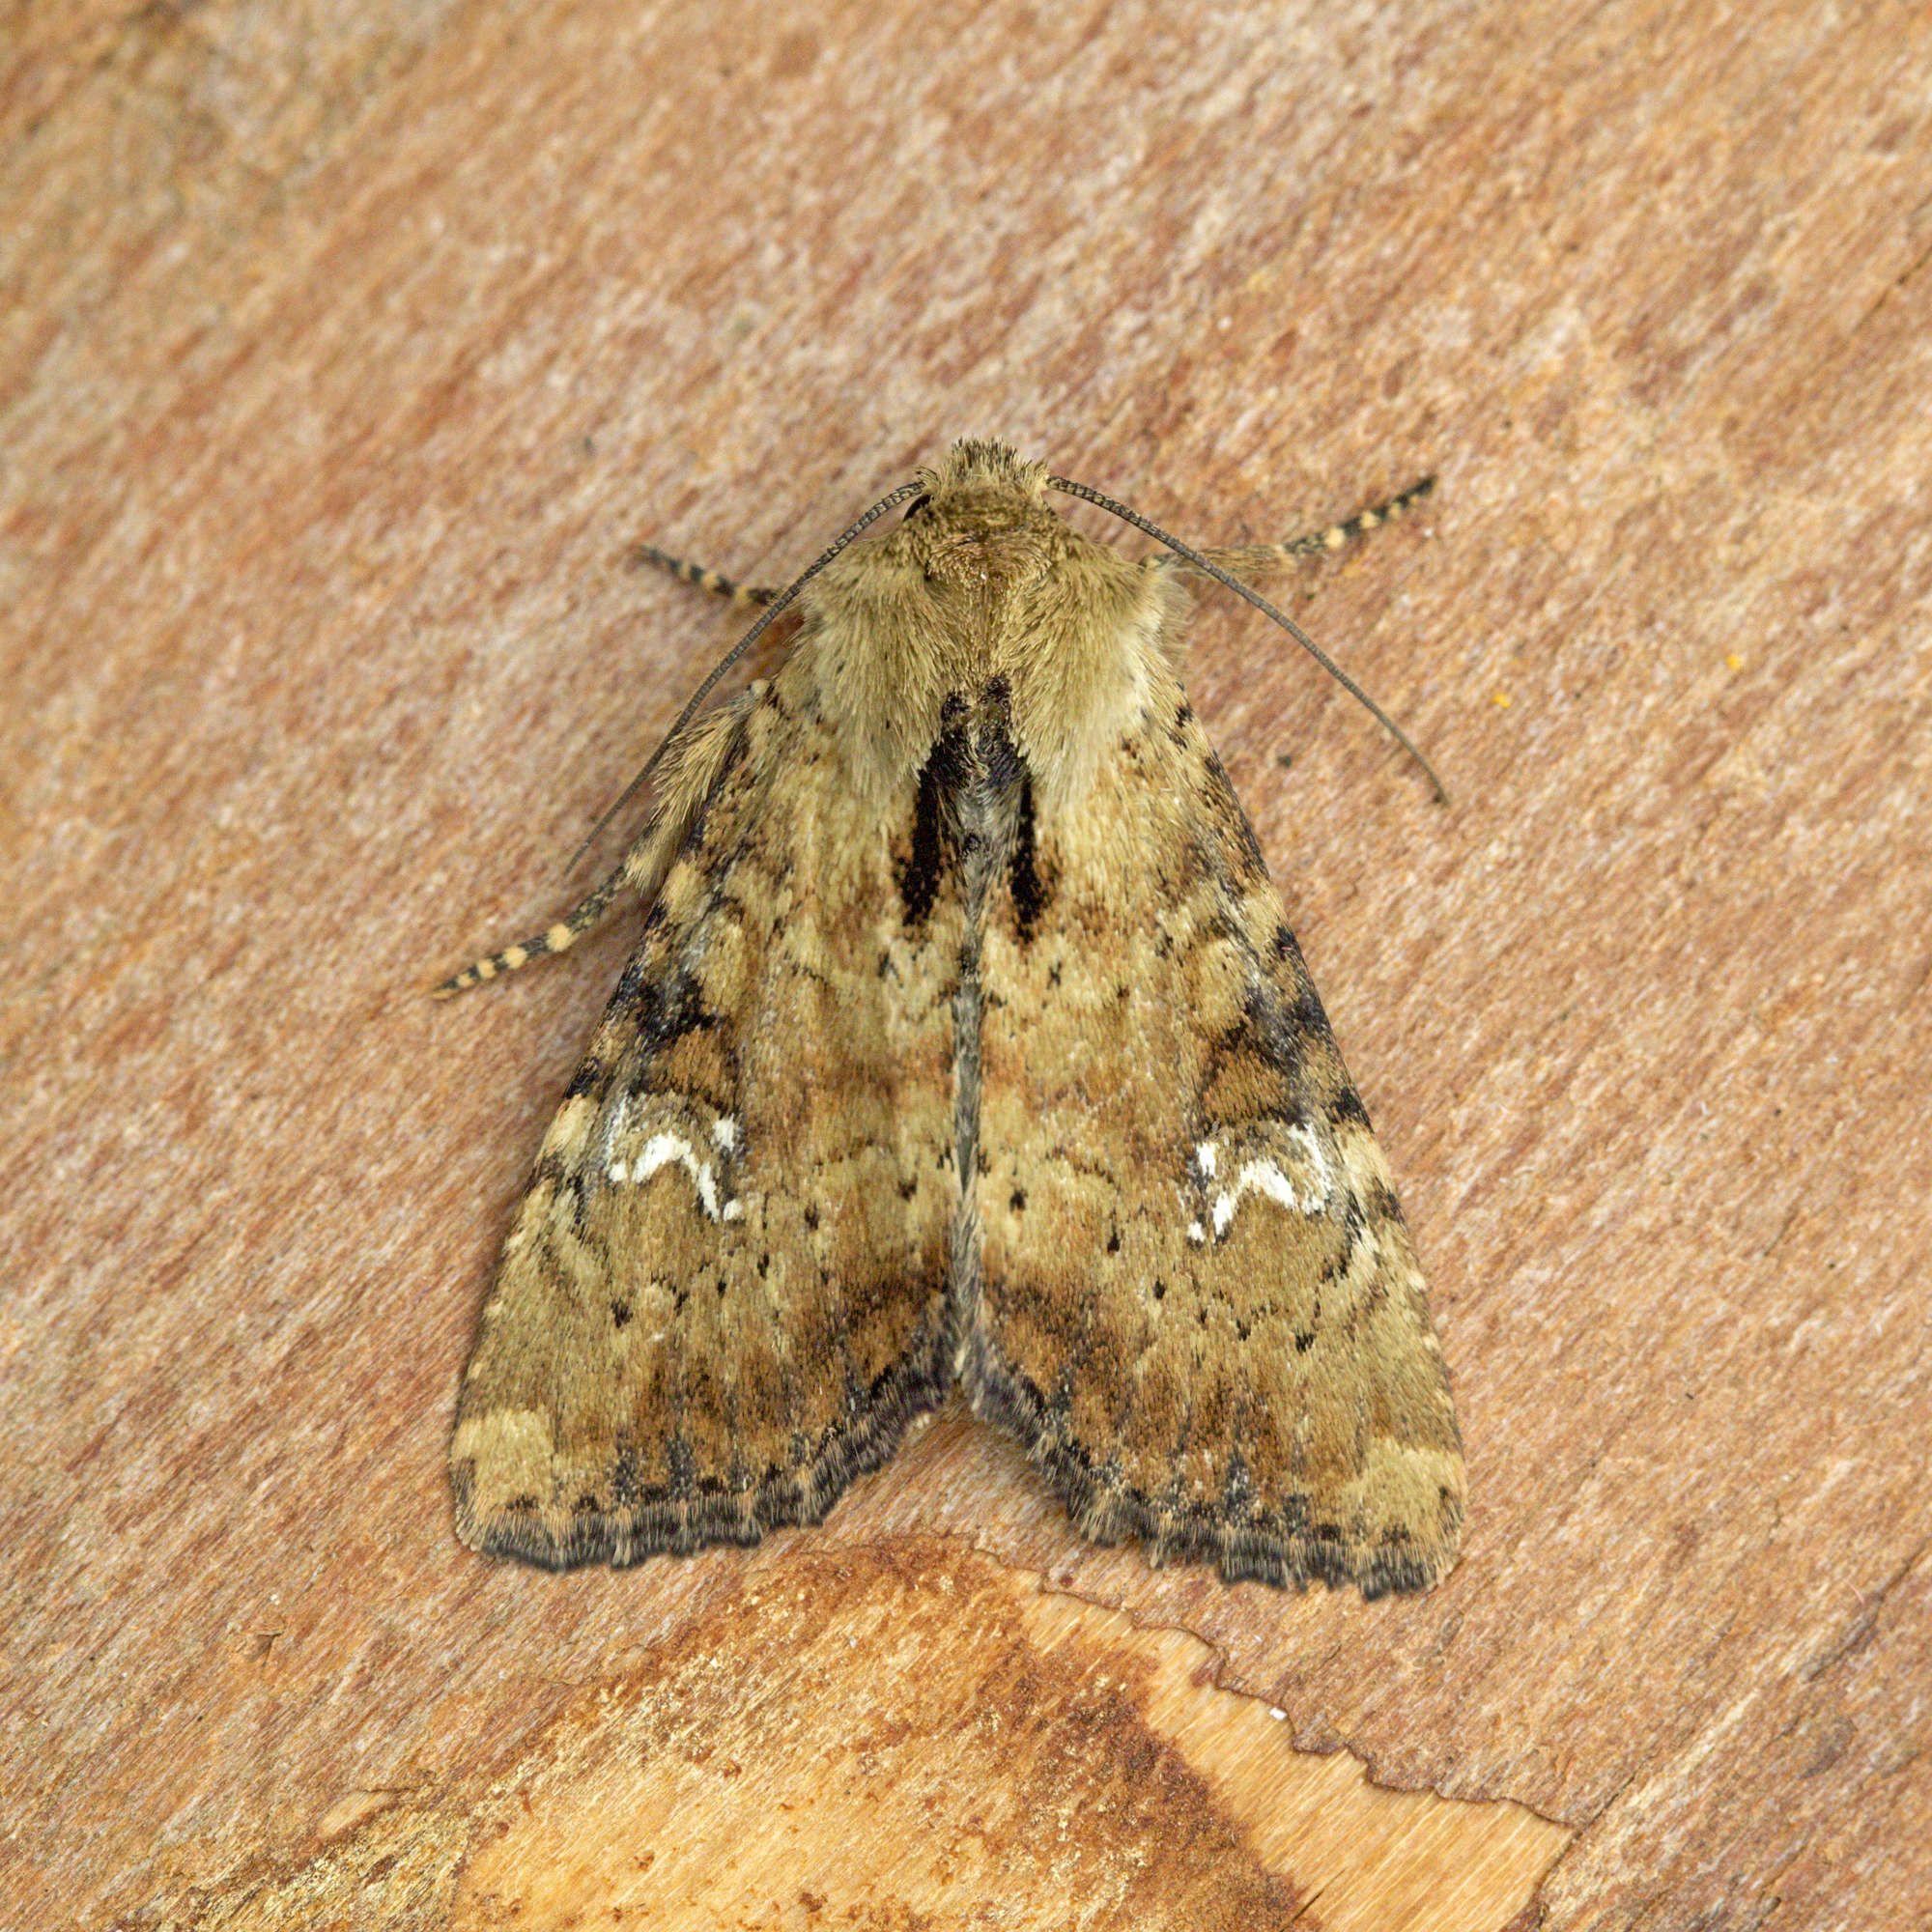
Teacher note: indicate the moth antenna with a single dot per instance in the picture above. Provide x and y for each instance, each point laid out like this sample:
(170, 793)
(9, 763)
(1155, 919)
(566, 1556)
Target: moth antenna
(770, 615)
(1260, 604)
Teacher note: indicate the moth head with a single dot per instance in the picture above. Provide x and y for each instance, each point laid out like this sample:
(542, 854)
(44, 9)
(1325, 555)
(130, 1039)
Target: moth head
(979, 525)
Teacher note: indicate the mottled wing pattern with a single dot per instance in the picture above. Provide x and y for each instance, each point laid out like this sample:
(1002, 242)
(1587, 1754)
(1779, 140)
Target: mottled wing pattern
(724, 1293)
(1201, 1308)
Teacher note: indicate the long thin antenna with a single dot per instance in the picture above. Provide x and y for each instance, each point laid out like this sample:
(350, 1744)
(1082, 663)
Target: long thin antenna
(1260, 604)
(767, 618)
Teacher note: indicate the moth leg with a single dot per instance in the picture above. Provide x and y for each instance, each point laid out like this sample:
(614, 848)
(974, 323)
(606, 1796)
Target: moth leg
(562, 933)
(1251, 560)
(693, 764)
(744, 595)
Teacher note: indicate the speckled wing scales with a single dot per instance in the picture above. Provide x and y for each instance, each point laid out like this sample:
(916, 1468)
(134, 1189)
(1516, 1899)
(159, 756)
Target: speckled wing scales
(1201, 1309)
(725, 1292)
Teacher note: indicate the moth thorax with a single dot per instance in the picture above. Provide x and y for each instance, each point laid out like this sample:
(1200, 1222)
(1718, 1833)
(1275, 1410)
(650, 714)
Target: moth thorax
(987, 561)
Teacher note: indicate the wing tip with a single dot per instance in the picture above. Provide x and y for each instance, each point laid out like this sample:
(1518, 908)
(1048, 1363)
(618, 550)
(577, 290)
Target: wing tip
(564, 1533)
(1406, 1556)
(574, 1537)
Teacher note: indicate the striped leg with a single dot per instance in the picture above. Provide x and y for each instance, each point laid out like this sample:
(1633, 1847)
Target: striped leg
(562, 935)
(694, 761)
(1252, 561)
(744, 595)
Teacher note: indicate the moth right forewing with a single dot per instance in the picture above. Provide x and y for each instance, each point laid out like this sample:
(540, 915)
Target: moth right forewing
(723, 1295)
(1201, 1309)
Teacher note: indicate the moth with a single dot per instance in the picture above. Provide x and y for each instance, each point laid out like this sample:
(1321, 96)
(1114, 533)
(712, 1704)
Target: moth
(965, 1048)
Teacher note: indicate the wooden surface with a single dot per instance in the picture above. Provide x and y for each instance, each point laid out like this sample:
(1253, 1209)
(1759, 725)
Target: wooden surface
(345, 349)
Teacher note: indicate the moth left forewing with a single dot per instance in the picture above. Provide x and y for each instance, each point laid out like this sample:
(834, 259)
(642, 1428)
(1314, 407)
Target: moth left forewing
(1201, 1308)
(723, 1295)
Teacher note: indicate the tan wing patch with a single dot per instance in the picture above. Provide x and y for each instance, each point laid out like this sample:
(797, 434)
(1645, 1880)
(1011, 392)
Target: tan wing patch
(723, 1295)
(1201, 1308)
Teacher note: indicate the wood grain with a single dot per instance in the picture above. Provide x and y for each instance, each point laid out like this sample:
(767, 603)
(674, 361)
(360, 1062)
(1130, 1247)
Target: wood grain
(997, 1748)
(345, 350)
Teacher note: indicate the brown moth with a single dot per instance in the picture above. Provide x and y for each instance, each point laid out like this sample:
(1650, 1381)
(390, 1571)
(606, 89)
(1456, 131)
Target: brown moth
(965, 1047)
